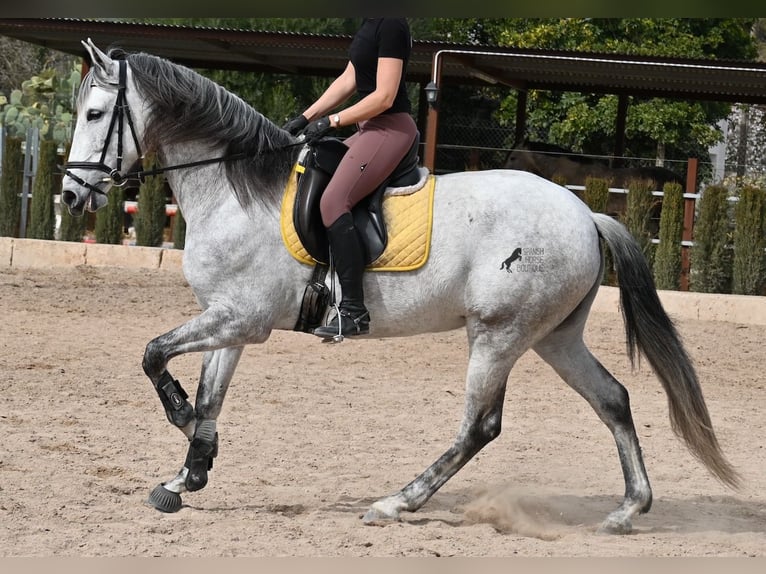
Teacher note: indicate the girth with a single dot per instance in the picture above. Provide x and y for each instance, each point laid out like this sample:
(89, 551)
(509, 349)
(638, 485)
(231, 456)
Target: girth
(318, 167)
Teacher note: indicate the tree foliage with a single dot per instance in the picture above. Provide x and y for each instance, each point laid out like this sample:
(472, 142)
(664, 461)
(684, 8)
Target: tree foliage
(42, 222)
(710, 257)
(667, 129)
(667, 257)
(748, 264)
(638, 210)
(110, 219)
(150, 219)
(10, 187)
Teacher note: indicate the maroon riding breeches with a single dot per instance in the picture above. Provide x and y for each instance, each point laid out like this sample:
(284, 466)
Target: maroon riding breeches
(374, 151)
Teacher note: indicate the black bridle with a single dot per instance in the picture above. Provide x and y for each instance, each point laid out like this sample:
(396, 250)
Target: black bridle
(120, 116)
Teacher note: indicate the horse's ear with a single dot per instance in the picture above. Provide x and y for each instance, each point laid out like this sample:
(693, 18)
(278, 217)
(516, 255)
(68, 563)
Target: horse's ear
(99, 58)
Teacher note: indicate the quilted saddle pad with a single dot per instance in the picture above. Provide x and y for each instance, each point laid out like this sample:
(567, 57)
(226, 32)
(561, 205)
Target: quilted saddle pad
(408, 218)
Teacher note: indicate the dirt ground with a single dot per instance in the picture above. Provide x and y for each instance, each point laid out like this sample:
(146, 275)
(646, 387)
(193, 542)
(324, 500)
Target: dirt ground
(312, 434)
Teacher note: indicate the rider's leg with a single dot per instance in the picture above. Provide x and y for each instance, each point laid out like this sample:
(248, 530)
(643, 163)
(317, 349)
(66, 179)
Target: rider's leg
(348, 258)
(374, 151)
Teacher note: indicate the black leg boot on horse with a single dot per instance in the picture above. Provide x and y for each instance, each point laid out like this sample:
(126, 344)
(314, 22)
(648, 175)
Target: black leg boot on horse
(348, 257)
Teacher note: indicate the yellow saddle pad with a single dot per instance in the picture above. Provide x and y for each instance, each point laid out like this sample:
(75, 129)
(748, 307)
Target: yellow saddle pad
(408, 220)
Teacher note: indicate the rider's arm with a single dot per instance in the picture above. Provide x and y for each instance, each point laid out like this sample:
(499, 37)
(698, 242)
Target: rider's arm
(338, 92)
(386, 86)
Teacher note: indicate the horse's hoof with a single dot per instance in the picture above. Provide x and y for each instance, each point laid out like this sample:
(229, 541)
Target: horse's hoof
(610, 526)
(165, 500)
(375, 517)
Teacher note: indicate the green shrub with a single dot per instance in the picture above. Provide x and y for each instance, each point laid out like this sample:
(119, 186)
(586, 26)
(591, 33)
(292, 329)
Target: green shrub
(110, 219)
(559, 179)
(748, 260)
(667, 257)
(596, 194)
(71, 228)
(42, 224)
(150, 219)
(638, 212)
(10, 187)
(179, 230)
(710, 258)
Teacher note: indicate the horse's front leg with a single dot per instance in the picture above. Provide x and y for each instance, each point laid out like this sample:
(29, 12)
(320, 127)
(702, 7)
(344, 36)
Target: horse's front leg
(198, 423)
(217, 371)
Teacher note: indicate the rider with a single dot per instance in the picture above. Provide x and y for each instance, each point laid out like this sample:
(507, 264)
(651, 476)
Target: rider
(376, 69)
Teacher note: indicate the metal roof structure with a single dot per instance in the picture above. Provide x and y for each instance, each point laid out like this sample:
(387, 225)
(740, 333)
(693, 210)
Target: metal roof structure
(441, 62)
(326, 55)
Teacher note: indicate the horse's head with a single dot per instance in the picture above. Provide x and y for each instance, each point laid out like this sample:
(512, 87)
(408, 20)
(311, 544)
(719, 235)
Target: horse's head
(104, 140)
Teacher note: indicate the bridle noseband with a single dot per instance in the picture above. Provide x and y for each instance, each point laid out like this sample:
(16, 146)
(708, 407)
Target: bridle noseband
(120, 115)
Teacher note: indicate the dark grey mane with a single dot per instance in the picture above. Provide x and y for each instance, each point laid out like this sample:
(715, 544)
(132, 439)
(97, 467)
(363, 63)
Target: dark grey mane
(185, 106)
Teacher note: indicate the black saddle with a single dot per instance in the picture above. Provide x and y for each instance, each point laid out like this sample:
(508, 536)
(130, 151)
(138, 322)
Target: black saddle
(319, 165)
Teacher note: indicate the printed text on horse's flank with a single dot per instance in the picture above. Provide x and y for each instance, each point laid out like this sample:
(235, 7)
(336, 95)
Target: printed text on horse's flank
(525, 260)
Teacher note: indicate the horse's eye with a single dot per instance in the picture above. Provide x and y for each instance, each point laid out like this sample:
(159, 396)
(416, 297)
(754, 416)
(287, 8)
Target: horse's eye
(94, 115)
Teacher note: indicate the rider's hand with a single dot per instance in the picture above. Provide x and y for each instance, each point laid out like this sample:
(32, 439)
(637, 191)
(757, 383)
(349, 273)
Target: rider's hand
(317, 129)
(296, 125)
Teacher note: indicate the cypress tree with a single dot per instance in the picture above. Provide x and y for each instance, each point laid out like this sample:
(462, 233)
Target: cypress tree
(10, 187)
(638, 211)
(150, 219)
(667, 259)
(71, 228)
(596, 196)
(748, 263)
(110, 219)
(179, 230)
(43, 219)
(710, 259)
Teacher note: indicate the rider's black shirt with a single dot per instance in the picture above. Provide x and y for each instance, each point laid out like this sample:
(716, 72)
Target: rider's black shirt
(381, 38)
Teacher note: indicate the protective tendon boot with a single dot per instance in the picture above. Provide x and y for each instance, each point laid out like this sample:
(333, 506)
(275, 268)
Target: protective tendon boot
(348, 257)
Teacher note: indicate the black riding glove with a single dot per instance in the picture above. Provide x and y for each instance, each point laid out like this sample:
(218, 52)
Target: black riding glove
(296, 125)
(316, 130)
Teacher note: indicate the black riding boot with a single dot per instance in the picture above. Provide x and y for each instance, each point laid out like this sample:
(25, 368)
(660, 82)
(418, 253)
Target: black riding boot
(348, 257)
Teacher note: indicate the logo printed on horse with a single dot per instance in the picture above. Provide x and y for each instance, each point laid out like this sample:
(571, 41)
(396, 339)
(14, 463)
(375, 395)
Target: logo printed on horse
(530, 260)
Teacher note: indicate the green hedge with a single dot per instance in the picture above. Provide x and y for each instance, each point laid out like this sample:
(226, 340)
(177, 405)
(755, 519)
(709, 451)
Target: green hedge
(638, 211)
(10, 187)
(596, 194)
(179, 230)
(150, 219)
(748, 260)
(110, 220)
(710, 257)
(667, 257)
(42, 223)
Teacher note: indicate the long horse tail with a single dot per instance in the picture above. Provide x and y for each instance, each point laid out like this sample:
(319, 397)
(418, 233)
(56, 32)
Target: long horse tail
(651, 332)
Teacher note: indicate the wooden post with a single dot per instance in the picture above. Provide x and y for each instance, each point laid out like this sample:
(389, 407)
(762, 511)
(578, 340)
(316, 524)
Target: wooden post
(688, 232)
(619, 130)
(432, 123)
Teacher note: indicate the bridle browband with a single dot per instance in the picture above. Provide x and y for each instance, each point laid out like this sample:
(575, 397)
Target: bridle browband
(120, 115)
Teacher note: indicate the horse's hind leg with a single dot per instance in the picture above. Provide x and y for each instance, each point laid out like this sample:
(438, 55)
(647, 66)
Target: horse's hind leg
(488, 368)
(217, 371)
(566, 352)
